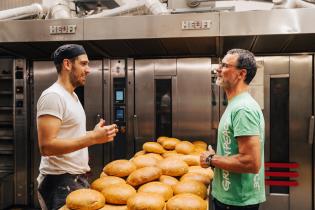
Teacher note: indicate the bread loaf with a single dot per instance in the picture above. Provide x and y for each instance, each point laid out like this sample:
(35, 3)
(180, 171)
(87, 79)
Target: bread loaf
(159, 188)
(153, 147)
(184, 147)
(144, 175)
(144, 161)
(204, 171)
(173, 166)
(161, 139)
(85, 199)
(141, 152)
(200, 144)
(156, 156)
(120, 168)
(191, 160)
(64, 207)
(169, 143)
(196, 177)
(169, 180)
(114, 207)
(146, 201)
(190, 186)
(103, 182)
(118, 193)
(186, 201)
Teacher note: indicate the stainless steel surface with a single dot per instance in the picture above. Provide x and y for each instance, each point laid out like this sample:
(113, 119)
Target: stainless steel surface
(165, 67)
(311, 130)
(130, 107)
(107, 105)
(266, 22)
(93, 96)
(194, 99)
(21, 144)
(149, 26)
(289, 31)
(300, 111)
(45, 74)
(144, 101)
(38, 30)
(272, 66)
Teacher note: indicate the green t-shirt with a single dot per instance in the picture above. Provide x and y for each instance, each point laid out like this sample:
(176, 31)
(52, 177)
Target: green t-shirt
(242, 117)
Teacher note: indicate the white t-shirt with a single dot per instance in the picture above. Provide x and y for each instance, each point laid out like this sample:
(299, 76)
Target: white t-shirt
(58, 102)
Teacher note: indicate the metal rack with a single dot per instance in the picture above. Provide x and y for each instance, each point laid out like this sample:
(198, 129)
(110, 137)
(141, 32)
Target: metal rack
(6, 131)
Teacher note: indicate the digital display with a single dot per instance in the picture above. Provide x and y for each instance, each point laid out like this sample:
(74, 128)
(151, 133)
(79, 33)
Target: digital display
(120, 114)
(119, 96)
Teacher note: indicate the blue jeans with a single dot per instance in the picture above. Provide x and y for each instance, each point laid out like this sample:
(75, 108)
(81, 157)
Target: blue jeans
(54, 189)
(217, 205)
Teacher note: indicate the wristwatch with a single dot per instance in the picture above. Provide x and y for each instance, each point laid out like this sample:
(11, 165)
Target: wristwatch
(208, 160)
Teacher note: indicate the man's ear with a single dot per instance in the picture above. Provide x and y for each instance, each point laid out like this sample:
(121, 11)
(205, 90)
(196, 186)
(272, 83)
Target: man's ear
(243, 73)
(67, 64)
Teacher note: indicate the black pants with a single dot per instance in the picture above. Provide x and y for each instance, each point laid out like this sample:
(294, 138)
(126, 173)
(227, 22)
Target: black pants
(54, 189)
(221, 206)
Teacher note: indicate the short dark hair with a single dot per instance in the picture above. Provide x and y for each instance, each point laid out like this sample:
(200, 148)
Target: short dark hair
(67, 51)
(246, 60)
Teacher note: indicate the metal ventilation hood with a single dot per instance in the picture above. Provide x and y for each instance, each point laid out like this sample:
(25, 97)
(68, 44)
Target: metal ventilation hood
(263, 32)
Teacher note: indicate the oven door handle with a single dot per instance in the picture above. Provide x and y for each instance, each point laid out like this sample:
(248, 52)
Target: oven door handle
(311, 130)
(135, 126)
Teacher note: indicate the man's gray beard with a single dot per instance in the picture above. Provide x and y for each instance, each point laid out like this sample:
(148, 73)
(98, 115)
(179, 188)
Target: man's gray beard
(219, 82)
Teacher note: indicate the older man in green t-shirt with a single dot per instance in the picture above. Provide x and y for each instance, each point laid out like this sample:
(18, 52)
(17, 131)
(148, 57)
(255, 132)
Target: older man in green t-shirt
(238, 181)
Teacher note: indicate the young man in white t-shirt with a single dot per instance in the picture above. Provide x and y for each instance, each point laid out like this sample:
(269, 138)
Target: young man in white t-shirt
(61, 126)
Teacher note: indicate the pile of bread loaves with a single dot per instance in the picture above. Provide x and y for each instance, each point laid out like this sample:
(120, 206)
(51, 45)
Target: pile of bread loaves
(164, 175)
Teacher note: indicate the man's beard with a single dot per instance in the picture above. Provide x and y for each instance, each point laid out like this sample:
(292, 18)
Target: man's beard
(74, 81)
(219, 82)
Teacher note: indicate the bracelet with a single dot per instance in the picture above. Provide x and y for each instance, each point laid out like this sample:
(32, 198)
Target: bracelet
(208, 160)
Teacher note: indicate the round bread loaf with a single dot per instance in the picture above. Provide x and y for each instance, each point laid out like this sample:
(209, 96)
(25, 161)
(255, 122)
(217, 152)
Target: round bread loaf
(103, 174)
(141, 152)
(159, 188)
(144, 175)
(118, 193)
(184, 147)
(191, 160)
(85, 199)
(64, 208)
(156, 156)
(173, 166)
(153, 147)
(196, 177)
(169, 153)
(186, 201)
(103, 182)
(190, 186)
(199, 170)
(146, 201)
(161, 139)
(170, 143)
(114, 207)
(120, 168)
(144, 161)
(200, 144)
(169, 180)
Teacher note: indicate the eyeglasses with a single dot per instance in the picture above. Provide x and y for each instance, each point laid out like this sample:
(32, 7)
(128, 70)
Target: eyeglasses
(226, 65)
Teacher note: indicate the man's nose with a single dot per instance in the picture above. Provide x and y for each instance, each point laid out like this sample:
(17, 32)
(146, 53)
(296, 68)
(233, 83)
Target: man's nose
(87, 70)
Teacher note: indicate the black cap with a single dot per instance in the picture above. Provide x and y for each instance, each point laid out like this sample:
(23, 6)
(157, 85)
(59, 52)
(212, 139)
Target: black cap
(67, 51)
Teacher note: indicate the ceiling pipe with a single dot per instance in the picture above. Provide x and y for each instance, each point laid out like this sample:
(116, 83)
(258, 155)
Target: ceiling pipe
(299, 4)
(136, 6)
(22, 12)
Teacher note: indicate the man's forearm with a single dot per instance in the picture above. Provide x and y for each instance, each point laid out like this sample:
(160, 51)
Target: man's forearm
(236, 163)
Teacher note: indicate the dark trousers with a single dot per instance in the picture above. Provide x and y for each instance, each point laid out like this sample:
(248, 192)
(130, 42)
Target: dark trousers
(221, 206)
(53, 190)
